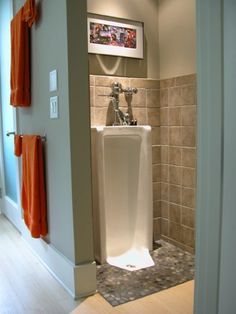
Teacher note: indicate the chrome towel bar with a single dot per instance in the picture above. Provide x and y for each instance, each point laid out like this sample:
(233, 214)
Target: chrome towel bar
(13, 133)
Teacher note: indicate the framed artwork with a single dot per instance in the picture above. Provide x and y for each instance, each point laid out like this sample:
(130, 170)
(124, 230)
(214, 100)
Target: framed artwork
(115, 37)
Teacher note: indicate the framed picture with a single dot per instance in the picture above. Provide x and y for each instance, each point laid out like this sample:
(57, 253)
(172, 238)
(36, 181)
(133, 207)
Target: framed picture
(116, 37)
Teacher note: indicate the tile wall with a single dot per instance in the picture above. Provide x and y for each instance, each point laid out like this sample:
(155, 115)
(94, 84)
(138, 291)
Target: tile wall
(178, 159)
(169, 106)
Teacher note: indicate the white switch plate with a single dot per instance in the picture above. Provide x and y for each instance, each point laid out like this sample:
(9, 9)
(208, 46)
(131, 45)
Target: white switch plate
(53, 81)
(54, 107)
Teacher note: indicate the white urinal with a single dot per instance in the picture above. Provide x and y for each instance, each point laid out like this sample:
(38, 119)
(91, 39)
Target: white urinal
(122, 195)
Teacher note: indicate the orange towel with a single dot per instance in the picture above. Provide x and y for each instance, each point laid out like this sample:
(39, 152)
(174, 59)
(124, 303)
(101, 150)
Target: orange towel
(20, 54)
(17, 145)
(33, 196)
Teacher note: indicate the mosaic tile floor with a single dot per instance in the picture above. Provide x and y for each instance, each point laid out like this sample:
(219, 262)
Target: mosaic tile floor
(173, 266)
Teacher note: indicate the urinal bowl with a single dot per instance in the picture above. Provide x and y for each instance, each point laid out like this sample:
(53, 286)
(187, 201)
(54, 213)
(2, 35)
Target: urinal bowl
(122, 195)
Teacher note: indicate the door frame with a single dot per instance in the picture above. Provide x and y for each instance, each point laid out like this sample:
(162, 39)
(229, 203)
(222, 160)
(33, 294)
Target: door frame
(12, 210)
(210, 84)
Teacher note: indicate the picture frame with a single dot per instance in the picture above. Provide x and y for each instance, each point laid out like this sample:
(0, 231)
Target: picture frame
(115, 37)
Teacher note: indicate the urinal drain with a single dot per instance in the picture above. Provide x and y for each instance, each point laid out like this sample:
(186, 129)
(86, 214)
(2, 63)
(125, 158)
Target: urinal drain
(130, 266)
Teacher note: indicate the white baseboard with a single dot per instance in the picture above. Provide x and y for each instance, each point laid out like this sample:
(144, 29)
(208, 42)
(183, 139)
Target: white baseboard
(85, 280)
(78, 280)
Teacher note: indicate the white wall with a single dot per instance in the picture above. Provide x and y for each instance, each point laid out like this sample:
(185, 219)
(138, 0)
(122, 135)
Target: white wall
(177, 38)
(170, 39)
(139, 10)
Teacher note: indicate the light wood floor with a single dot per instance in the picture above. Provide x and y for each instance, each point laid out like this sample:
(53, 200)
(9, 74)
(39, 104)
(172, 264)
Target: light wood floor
(177, 300)
(27, 287)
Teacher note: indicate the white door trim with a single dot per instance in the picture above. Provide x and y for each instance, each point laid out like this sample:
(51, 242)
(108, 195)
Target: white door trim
(11, 209)
(11, 212)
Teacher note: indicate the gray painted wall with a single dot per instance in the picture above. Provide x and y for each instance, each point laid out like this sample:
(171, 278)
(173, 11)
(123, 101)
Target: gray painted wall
(216, 215)
(49, 51)
(227, 302)
(56, 43)
(80, 129)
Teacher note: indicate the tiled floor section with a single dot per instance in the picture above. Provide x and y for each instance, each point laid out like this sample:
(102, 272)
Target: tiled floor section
(172, 267)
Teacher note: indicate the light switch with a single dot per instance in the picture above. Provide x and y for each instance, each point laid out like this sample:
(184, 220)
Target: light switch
(53, 81)
(54, 107)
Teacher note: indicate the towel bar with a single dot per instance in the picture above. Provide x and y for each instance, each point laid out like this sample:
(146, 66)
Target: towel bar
(13, 133)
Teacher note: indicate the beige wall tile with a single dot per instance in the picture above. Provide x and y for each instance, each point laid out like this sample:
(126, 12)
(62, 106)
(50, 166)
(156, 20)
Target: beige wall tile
(156, 209)
(175, 136)
(156, 191)
(188, 197)
(185, 80)
(156, 154)
(164, 191)
(156, 173)
(144, 83)
(156, 136)
(140, 114)
(125, 82)
(164, 135)
(175, 194)
(187, 236)
(101, 101)
(164, 116)
(164, 227)
(189, 157)
(104, 80)
(139, 99)
(188, 94)
(109, 80)
(175, 156)
(164, 97)
(188, 217)
(174, 116)
(188, 136)
(91, 94)
(153, 98)
(153, 115)
(101, 116)
(156, 228)
(167, 83)
(164, 154)
(92, 122)
(175, 97)
(175, 231)
(174, 212)
(91, 80)
(175, 174)
(164, 173)
(188, 177)
(165, 209)
(178, 95)
(188, 115)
